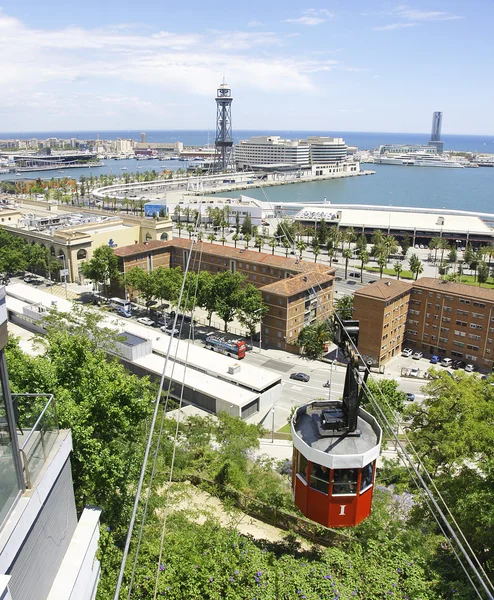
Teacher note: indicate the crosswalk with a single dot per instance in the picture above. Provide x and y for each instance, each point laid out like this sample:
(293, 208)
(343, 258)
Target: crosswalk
(59, 290)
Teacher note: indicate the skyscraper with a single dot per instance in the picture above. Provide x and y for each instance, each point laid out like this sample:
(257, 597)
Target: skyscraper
(437, 119)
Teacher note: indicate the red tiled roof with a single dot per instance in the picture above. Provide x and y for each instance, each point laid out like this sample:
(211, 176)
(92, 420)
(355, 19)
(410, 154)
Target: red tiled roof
(452, 287)
(384, 289)
(140, 248)
(253, 256)
(299, 283)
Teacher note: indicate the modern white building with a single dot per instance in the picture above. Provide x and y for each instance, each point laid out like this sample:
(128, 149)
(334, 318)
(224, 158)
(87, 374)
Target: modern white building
(326, 150)
(269, 150)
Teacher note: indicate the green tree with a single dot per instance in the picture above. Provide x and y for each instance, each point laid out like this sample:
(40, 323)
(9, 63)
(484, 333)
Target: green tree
(364, 259)
(388, 396)
(259, 242)
(246, 228)
(347, 255)
(316, 251)
(102, 268)
(482, 273)
(138, 279)
(207, 293)
(252, 309)
(344, 306)
(312, 338)
(272, 243)
(36, 258)
(415, 265)
(406, 243)
(301, 246)
(229, 295)
(211, 238)
(398, 268)
(247, 239)
(235, 238)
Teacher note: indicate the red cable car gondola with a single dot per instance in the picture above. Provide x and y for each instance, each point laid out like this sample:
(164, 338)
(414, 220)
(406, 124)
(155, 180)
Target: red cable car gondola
(335, 448)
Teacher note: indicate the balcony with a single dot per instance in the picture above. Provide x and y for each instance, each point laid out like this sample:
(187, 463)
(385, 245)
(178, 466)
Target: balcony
(37, 430)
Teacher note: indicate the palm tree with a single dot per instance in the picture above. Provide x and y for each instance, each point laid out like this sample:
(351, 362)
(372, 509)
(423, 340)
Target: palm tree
(180, 226)
(223, 240)
(316, 251)
(235, 238)
(211, 238)
(415, 265)
(286, 246)
(382, 261)
(391, 245)
(331, 253)
(334, 237)
(272, 243)
(247, 239)
(443, 245)
(177, 212)
(347, 255)
(377, 237)
(364, 259)
(301, 246)
(398, 267)
(434, 245)
(259, 242)
(350, 235)
(190, 230)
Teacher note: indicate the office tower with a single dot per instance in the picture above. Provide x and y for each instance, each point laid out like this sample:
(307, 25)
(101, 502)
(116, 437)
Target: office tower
(437, 119)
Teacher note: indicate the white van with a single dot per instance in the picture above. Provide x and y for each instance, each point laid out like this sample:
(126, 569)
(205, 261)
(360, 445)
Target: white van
(446, 362)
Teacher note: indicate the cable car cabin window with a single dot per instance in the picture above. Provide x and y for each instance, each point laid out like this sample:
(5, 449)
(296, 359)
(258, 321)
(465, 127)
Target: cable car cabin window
(319, 478)
(366, 481)
(302, 466)
(345, 481)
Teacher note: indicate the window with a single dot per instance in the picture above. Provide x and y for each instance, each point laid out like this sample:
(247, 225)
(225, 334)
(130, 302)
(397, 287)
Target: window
(473, 336)
(366, 480)
(479, 304)
(344, 481)
(470, 347)
(477, 315)
(463, 312)
(463, 301)
(302, 466)
(319, 478)
(459, 344)
(461, 323)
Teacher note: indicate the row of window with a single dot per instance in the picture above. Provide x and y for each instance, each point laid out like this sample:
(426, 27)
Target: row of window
(334, 481)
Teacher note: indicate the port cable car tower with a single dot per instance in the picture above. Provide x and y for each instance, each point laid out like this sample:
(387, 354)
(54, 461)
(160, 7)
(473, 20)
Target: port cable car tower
(223, 160)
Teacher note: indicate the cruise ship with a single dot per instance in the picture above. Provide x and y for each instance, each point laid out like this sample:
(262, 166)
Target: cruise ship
(417, 160)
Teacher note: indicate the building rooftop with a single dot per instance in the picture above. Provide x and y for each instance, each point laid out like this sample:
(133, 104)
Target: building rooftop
(253, 256)
(297, 284)
(457, 289)
(397, 218)
(134, 249)
(384, 289)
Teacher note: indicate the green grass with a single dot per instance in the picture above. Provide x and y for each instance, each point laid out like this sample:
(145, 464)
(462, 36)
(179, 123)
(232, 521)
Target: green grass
(469, 280)
(403, 275)
(284, 429)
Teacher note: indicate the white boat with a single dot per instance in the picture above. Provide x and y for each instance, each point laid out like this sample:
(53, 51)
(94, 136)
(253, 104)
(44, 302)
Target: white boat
(123, 168)
(417, 160)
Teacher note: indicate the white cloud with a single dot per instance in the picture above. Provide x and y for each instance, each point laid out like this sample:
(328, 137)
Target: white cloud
(419, 15)
(311, 16)
(393, 26)
(255, 24)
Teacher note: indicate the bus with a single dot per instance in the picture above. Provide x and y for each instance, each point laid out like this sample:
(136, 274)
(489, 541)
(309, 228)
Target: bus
(233, 348)
(121, 305)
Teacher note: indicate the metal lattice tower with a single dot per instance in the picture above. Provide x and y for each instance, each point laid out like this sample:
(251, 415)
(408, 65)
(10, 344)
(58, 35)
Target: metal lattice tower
(224, 140)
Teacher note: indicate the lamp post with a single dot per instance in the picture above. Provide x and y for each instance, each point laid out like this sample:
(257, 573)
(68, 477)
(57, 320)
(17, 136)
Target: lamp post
(333, 363)
(260, 328)
(65, 272)
(272, 426)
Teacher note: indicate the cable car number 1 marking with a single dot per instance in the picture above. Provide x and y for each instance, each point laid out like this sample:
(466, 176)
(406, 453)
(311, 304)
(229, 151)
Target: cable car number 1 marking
(342, 509)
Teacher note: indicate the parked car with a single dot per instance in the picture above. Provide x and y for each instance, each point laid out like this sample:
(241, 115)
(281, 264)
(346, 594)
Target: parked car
(470, 368)
(435, 360)
(146, 321)
(407, 352)
(121, 312)
(372, 280)
(417, 355)
(351, 282)
(354, 274)
(458, 364)
(300, 377)
(414, 372)
(446, 362)
(410, 397)
(169, 330)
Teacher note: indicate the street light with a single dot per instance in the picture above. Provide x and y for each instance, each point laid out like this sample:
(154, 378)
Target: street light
(260, 328)
(65, 273)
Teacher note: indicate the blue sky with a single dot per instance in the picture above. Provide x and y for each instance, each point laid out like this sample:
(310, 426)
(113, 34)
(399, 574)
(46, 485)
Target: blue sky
(342, 66)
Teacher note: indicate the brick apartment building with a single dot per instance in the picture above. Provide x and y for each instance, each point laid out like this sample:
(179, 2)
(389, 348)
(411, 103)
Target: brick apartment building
(441, 317)
(297, 293)
(382, 309)
(452, 319)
